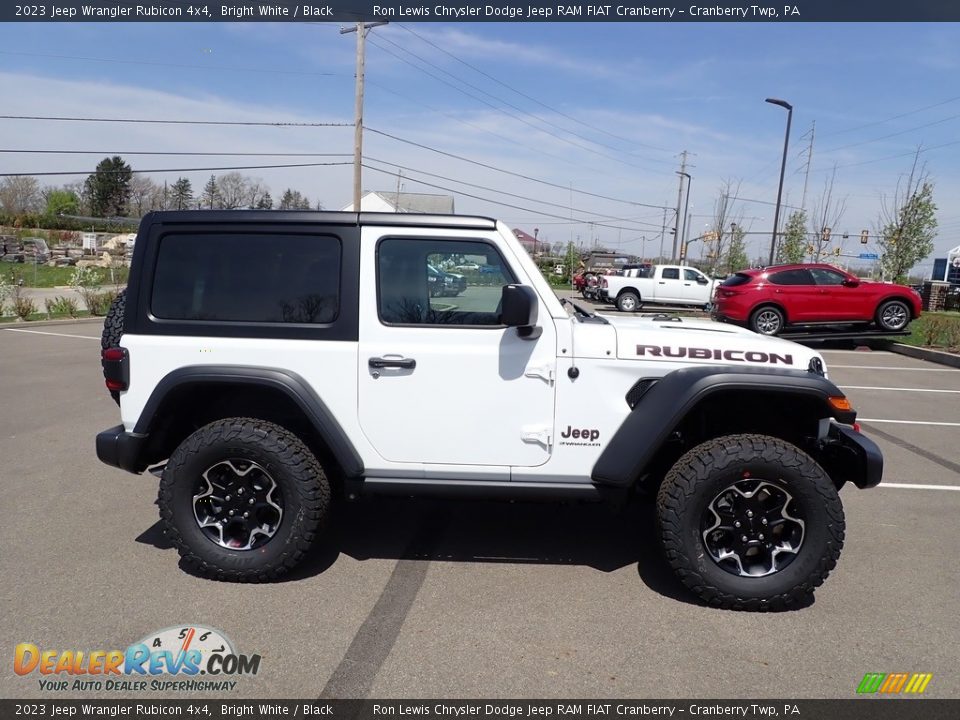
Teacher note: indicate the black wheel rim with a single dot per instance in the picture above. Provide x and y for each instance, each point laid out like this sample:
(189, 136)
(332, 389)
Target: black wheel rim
(237, 504)
(752, 528)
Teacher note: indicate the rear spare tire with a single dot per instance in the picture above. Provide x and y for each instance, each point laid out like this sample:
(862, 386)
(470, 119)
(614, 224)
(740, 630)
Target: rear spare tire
(113, 328)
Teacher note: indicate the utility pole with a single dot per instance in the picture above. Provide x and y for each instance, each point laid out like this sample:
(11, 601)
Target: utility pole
(806, 172)
(361, 29)
(396, 205)
(663, 229)
(676, 228)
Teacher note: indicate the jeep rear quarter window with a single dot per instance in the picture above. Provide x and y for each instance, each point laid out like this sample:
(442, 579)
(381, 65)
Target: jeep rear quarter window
(403, 282)
(258, 278)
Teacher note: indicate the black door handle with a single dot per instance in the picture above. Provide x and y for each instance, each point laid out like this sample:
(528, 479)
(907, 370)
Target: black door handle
(405, 363)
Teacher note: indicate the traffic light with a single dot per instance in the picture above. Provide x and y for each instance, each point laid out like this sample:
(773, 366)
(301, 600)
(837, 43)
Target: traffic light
(810, 249)
(825, 236)
(864, 236)
(836, 251)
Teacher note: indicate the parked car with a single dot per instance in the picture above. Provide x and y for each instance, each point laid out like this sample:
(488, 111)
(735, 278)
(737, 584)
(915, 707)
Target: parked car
(445, 284)
(656, 284)
(768, 300)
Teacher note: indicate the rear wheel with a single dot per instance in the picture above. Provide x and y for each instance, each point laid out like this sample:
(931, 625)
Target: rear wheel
(750, 522)
(767, 320)
(243, 500)
(628, 301)
(893, 315)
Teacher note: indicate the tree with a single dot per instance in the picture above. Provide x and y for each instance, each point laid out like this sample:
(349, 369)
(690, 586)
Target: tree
(145, 195)
(211, 194)
(723, 218)
(736, 256)
(827, 213)
(265, 202)
(293, 200)
(233, 191)
(181, 194)
(108, 188)
(60, 201)
(20, 195)
(907, 224)
(793, 242)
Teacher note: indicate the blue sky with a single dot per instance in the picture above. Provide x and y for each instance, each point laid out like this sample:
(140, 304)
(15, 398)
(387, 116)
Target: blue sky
(604, 107)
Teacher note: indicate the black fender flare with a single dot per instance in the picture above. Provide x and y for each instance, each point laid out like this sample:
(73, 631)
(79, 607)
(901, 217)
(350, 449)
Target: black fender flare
(289, 383)
(661, 409)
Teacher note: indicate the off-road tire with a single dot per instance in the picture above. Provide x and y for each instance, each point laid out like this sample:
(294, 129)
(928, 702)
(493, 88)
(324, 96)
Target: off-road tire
(113, 329)
(760, 325)
(893, 315)
(628, 301)
(703, 472)
(300, 478)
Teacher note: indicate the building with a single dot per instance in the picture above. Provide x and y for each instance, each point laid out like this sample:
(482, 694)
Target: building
(529, 242)
(948, 268)
(404, 202)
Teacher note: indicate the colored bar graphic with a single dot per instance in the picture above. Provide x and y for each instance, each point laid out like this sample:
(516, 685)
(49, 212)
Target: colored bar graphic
(894, 683)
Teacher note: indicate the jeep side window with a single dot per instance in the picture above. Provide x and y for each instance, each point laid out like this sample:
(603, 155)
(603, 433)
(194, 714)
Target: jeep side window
(260, 278)
(670, 274)
(439, 282)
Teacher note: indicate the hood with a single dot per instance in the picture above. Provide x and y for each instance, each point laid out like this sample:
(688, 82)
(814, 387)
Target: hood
(704, 342)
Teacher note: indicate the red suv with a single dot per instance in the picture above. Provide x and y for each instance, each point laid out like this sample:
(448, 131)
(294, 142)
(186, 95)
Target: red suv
(769, 299)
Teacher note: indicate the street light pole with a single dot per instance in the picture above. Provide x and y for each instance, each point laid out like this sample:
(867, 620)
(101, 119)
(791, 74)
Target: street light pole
(783, 167)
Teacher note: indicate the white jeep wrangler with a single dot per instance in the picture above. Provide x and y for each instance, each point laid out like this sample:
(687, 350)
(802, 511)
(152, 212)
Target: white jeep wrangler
(265, 360)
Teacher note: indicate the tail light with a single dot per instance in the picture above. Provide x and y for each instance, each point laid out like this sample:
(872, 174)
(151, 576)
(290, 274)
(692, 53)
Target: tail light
(116, 368)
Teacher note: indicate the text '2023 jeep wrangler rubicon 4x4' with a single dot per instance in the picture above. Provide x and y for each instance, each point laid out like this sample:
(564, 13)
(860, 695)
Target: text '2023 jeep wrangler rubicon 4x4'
(264, 385)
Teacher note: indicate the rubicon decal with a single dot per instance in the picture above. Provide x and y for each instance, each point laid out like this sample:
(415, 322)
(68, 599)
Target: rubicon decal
(580, 436)
(894, 683)
(187, 650)
(696, 353)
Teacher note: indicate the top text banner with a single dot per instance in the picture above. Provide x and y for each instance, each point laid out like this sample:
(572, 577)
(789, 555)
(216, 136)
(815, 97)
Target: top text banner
(474, 11)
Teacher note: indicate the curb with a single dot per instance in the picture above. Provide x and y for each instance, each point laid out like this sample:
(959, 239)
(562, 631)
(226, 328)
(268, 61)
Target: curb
(934, 356)
(45, 323)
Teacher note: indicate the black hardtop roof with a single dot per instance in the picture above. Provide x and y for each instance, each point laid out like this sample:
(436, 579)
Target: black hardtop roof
(195, 217)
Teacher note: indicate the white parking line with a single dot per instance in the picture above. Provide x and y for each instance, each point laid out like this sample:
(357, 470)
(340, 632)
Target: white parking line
(40, 332)
(887, 367)
(909, 422)
(917, 486)
(893, 389)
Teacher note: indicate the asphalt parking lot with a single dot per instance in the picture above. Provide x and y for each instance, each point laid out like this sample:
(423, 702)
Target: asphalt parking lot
(451, 599)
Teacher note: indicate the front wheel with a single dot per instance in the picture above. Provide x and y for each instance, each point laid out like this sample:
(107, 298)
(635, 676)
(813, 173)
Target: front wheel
(750, 522)
(893, 315)
(243, 500)
(628, 301)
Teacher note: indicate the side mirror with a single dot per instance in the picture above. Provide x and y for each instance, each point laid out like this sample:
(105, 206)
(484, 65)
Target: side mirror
(518, 308)
(702, 280)
(851, 283)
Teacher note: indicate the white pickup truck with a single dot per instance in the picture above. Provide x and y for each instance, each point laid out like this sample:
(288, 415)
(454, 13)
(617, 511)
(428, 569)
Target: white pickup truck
(656, 284)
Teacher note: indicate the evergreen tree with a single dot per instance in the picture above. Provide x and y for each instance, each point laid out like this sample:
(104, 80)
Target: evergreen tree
(793, 245)
(211, 194)
(108, 188)
(181, 194)
(265, 202)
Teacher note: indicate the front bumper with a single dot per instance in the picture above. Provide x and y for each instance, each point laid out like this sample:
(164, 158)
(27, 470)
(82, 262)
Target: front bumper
(850, 456)
(121, 449)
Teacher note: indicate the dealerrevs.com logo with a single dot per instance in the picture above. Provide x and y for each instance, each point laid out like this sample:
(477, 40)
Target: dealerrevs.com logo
(171, 659)
(894, 683)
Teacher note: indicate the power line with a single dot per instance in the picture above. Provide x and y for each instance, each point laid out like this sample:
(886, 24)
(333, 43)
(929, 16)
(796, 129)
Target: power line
(516, 107)
(157, 152)
(185, 66)
(495, 107)
(502, 192)
(498, 202)
(172, 122)
(179, 170)
(894, 117)
(901, 132)
(891, 157)
(514, 174)
(525, 95)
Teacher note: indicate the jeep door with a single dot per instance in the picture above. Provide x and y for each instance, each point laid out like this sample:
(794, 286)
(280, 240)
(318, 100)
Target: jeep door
(441, 381)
